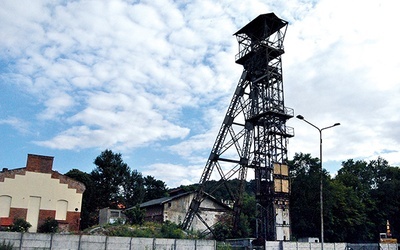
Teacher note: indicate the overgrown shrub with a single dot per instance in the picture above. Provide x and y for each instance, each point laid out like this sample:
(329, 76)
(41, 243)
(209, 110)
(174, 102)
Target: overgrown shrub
(120, 230)
(147, 230)
(50, 225)
(135, 215)
(20, 225)
(222, 231)
(144, 233)
(171, 230)
(223, 246)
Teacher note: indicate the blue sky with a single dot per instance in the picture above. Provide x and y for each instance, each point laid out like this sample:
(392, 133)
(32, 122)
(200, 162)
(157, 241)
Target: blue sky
(152, 80)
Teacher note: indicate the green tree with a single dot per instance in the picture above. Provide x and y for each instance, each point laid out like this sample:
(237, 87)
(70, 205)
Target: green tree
(345, 215)
(304, 197)
(247, 222)
(89, 214)
(109, 178)
(362, 177)
(387, 197)
(133, 189)
(154, 188)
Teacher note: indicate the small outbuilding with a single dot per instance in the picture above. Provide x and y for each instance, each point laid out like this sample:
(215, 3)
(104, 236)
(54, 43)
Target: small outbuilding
(175, 207)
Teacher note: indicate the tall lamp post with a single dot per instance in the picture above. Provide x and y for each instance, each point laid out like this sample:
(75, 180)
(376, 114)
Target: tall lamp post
(321, 174)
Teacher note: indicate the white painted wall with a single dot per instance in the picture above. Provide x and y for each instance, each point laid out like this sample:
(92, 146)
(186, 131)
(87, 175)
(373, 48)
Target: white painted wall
(176, 212)
(5, 204)
(40, 185)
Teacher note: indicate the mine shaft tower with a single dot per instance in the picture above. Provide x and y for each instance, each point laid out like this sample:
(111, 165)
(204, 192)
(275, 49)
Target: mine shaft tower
(254, 134)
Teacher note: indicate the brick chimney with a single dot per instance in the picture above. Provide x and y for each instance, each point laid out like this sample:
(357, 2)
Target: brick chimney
(39, 163)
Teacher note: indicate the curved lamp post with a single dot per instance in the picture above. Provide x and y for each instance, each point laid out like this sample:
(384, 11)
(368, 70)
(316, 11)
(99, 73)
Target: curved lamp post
(320, 163)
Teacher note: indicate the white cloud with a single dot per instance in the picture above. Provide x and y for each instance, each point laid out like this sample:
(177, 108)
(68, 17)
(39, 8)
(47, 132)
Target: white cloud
(57, 105)
(125, 75)
(174, 175)
(17, 124)
(340, 69)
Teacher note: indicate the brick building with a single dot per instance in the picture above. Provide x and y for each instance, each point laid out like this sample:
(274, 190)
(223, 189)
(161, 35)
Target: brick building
(36, 192)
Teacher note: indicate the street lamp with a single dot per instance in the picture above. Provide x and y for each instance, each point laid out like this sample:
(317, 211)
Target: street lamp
(321, 174)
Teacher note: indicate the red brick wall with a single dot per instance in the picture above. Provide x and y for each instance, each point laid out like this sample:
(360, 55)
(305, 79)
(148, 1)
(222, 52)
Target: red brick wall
(18, 213)
(43, 164)
(11, 173)
(73, 184)
(44, 214)
(73, 220)
(39, 163)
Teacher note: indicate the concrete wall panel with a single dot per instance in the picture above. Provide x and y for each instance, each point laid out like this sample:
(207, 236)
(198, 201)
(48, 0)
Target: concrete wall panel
(165, 244)
(118, 243)
(39, 241)
(13, 237)
(142, 243)
(272, 245)
(64, 241)
(205, 244)
(91, 242)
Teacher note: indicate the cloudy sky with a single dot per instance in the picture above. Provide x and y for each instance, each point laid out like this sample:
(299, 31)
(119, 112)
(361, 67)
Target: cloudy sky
(152, 80)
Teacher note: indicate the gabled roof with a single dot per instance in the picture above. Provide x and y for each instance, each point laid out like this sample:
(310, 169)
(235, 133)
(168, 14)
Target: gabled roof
(164, 200)
(43, 165)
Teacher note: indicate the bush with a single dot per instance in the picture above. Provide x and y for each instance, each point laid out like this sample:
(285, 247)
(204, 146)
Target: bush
(20, 225)
(223, 246)
(135, 215)
(171, 230)
(50, 225)
(120, 230)
(222, 232)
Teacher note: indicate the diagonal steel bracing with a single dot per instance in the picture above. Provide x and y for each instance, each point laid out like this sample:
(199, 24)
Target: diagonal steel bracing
(254, 134)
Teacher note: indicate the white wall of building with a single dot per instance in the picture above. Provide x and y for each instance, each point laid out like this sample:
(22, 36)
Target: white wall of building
(50, 190)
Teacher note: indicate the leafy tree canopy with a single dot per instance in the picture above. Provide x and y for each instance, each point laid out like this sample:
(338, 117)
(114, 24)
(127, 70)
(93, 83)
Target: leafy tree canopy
(113, 184)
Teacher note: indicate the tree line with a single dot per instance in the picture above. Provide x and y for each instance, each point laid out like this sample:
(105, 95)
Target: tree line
(112, 183)
(358, 200)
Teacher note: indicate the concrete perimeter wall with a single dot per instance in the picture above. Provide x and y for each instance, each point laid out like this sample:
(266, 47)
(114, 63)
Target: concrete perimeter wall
(245, 244)
(25, 241)
(336, 246)
(287, 245)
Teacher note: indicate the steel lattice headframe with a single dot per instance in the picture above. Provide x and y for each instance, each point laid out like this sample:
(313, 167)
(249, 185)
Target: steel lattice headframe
(254, 134)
